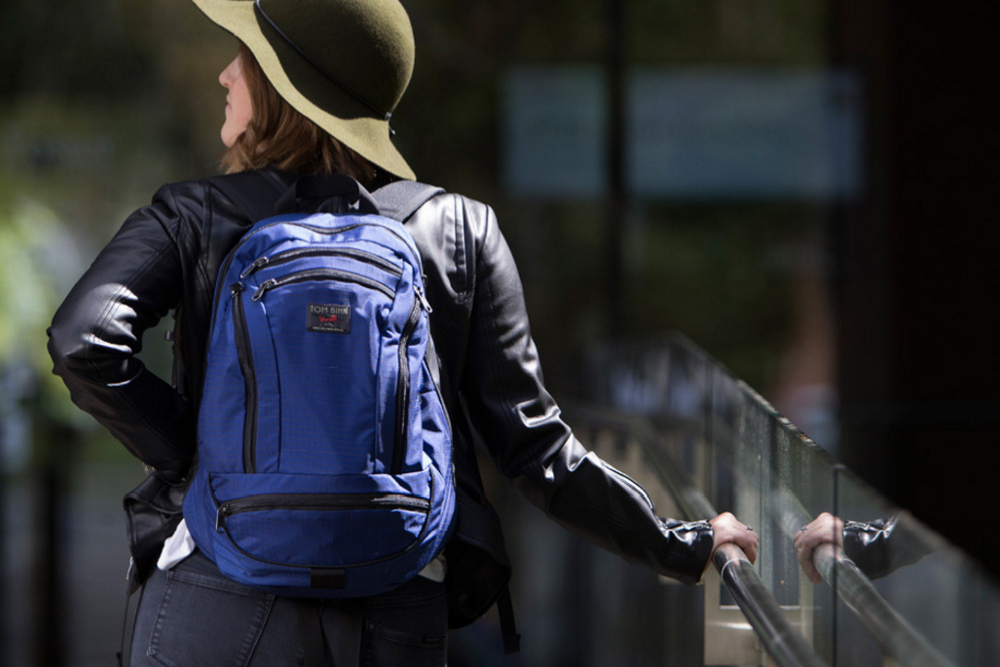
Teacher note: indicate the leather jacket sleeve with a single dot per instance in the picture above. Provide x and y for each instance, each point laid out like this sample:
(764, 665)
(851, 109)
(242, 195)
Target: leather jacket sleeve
(523, 430)
(96, 333)
(882, 546)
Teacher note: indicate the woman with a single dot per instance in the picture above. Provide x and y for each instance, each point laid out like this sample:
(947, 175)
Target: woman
(311, 92)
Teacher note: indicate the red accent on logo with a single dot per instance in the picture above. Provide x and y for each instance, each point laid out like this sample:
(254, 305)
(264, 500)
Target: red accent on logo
(332, 318)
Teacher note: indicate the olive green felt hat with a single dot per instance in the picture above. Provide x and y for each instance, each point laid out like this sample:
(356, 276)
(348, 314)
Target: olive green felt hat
(343, 64)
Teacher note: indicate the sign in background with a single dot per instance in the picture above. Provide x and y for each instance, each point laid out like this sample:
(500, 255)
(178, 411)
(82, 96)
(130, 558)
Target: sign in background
(690, 133)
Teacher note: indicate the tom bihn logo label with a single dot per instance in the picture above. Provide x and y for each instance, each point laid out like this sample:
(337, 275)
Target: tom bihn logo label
(328, 318)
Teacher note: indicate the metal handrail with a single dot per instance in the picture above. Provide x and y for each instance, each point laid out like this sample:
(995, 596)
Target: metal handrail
(785, 646)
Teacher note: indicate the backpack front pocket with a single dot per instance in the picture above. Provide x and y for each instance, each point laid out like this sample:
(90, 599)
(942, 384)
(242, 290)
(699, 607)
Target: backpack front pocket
(319, 521)
(317, 337)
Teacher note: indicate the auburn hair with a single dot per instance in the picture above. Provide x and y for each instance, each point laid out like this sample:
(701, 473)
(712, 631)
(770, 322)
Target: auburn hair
(279, 135)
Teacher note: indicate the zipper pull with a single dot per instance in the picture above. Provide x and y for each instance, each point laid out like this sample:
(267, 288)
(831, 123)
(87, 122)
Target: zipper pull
(423, 299)
(254, 265)
(220, 516)
(264, 286)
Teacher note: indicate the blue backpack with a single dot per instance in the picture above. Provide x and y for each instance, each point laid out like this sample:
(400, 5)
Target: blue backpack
(324, 448)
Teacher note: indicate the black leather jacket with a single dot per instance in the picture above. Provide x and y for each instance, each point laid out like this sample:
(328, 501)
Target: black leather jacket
(166, 257)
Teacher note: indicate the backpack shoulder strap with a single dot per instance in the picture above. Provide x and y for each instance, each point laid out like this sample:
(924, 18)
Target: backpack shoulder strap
(252, 192)
(400, 199)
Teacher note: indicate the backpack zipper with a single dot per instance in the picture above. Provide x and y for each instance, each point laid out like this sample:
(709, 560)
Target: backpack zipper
(290, 255)
(403, 384)
(405, 502)
(244, 353)
(319, 502)
(321, 274)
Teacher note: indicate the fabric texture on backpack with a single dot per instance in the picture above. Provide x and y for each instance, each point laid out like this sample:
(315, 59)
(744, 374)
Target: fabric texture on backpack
(324, 448)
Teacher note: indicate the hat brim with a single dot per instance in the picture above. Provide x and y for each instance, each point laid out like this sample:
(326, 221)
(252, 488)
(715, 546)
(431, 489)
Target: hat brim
(352, 124)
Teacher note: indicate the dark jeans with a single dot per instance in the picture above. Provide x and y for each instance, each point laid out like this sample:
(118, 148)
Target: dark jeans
(193, 616)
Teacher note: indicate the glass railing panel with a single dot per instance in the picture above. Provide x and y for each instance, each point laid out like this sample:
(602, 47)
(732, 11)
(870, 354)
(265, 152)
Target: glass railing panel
(980, 602)
(663, 381)
(801, 487)
(934, 605)
(711, 431)
(686, 406)
(734, 429)
(726, 426)
(889, 593)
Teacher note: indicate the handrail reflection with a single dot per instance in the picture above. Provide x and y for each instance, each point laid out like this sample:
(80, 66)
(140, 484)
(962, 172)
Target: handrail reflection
(897, 637)
(785, 646)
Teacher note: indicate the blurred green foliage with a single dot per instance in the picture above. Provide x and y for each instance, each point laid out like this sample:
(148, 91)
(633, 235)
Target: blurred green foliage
(104, 101)
(28, 283)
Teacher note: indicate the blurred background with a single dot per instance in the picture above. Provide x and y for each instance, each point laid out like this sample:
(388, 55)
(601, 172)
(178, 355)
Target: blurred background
(801, 187)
